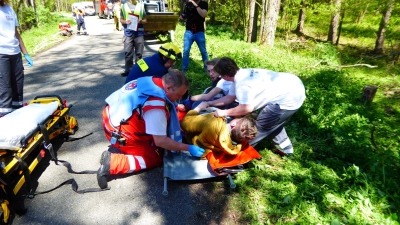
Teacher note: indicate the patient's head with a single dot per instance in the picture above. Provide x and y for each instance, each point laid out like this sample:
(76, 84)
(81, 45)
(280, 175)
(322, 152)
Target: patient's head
(243, 129)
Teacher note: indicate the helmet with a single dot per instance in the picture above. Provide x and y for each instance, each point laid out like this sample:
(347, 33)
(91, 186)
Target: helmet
(171, 51)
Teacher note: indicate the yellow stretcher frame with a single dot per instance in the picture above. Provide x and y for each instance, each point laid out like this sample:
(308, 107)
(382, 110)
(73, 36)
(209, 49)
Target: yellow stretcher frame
(59, 123)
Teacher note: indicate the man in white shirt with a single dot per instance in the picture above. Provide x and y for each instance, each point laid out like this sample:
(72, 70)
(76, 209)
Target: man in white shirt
(11, 68)
(278, 95)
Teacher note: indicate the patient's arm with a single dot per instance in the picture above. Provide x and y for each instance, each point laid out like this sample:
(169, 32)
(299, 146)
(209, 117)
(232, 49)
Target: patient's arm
(206, 97)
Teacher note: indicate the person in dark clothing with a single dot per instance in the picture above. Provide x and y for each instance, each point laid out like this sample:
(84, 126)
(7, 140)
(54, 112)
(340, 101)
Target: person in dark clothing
(156, 65)
(194, 13)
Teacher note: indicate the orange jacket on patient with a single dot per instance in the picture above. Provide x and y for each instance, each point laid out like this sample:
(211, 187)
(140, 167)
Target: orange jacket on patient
(208, 132)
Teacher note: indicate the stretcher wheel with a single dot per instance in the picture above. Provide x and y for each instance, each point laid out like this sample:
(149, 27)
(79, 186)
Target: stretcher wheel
(73, 131)
(165, 193)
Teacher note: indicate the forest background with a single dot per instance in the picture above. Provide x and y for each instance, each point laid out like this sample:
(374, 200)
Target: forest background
(345, 169)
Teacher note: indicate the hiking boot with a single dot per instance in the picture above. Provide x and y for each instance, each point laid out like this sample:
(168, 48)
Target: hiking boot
(125, 73)
(104, 170)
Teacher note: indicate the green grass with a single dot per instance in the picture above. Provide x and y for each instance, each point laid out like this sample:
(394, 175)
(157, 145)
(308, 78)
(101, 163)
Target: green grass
(337, 175)
(37, 40)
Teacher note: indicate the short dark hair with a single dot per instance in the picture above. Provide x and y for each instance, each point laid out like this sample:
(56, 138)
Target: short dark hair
(212, 62)
(175, 78)
(226, 67)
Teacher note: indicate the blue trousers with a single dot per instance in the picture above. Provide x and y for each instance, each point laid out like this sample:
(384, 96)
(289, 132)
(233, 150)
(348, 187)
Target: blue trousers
(188, 40)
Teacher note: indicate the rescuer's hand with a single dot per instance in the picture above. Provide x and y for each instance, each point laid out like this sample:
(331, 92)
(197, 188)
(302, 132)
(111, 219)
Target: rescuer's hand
(195, 151)
(29, 60)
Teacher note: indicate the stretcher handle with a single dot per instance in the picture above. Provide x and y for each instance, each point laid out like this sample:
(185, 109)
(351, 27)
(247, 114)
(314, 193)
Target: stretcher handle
(49, 96)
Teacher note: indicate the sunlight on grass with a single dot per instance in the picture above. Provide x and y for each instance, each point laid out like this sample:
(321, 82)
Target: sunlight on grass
(345, 169)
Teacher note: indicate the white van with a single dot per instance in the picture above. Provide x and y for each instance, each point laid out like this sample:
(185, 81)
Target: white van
(87, 6)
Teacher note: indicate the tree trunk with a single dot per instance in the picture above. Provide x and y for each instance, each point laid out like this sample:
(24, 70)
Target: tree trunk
(271, 21)
(334, 22)
(262, 24)
(340, 26)
(369, 93)
(302, 17)
(380, 39)
(254, 33)
(251, 20)
(362, 14)
(212, 12)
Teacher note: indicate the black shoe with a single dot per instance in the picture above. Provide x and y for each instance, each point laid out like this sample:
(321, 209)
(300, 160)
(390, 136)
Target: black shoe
(104, 170)
(125, 73)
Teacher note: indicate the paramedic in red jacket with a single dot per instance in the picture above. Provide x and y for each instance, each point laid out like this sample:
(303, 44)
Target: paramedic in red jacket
(140, 121)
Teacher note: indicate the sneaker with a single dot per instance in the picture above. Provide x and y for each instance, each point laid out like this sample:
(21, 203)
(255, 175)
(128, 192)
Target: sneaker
(280, 152)
(104, 170)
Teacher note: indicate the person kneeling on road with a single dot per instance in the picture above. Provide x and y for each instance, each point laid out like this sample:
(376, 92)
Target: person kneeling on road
(156, 65)
(140, 120)
(214, 134)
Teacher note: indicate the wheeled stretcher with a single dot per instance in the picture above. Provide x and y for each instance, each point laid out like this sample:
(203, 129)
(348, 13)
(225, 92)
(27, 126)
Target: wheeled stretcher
(25, 136)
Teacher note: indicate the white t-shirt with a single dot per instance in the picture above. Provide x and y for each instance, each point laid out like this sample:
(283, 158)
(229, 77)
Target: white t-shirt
(224, 85)
(9, 44)
(156, 122)
(259, 87)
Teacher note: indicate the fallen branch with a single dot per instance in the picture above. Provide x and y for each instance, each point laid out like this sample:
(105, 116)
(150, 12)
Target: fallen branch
(315, 64)
(367, 65)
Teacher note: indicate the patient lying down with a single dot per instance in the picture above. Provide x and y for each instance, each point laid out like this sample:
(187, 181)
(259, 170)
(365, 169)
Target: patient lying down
(215, 134)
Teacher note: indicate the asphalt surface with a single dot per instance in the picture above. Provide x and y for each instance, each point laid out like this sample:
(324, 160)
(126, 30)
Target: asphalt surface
(84, 70)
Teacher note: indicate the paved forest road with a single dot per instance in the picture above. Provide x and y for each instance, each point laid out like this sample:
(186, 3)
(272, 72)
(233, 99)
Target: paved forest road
(84, 70)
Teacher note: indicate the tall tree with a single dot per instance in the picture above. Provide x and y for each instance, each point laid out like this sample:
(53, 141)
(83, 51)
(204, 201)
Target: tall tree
(262, 24)
(333, 27)
(380, 39)
(271, 21)
(302, 17)
(252, 14)
(211, 13)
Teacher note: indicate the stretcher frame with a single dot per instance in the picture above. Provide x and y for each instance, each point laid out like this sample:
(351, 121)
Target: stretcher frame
(18, 164)
(180, 165)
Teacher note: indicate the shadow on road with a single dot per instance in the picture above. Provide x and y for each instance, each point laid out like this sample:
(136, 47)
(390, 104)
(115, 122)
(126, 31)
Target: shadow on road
(84, 70)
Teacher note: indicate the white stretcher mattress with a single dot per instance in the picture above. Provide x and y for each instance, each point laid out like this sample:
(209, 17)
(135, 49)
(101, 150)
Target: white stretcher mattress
(17, 125)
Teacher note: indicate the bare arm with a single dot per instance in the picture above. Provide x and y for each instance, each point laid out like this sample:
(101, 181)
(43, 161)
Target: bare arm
(239, 110)
(169, 144)
(226, 100)
(200, 11)
(206, 97)
(21, 42)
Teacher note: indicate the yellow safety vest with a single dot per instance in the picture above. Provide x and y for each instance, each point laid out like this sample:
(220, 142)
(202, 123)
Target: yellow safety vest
(138, 10)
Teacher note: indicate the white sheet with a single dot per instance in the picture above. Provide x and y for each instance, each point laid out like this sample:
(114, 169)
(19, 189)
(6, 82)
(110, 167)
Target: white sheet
(16, 125)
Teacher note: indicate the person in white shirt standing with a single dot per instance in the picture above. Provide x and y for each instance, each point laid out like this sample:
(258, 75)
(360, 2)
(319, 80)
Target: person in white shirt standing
(278, 95)
(11, 68)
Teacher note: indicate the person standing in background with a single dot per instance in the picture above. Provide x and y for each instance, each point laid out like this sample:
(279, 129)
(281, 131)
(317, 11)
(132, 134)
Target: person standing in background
(11, 68)
(133, 32)
(79, 15)
(194, 13)
(117, 15)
